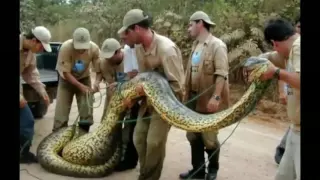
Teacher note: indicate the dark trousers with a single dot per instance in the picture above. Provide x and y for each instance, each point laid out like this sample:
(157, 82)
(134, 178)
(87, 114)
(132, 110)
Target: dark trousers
(130, 155)
(26, 123)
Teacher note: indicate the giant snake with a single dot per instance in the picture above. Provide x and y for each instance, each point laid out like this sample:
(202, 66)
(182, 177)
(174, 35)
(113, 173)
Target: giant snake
(95, 154)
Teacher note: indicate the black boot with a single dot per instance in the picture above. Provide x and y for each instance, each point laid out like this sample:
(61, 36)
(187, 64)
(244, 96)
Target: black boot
(213, 167)
(197, 160)
(279, 154)
(85, 127)
(130, 154)
(26, 157)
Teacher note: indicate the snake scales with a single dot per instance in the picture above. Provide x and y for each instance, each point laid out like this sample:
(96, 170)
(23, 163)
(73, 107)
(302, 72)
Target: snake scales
(67, 152)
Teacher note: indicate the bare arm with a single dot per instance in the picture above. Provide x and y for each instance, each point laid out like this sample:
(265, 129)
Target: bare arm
(293, 79)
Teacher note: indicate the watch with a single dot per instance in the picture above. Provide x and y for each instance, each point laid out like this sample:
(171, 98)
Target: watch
(216, 97)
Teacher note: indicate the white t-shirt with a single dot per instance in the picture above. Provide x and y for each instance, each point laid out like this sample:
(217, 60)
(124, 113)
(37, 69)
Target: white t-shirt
(130, 59)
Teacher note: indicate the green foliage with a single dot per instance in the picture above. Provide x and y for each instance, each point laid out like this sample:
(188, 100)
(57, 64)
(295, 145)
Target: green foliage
(239, 22)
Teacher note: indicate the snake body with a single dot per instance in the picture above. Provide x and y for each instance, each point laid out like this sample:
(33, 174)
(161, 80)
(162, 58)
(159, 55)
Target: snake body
(96, 153)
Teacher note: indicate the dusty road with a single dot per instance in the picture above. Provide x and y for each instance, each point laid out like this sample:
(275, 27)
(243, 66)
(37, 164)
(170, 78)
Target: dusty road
(247, 154)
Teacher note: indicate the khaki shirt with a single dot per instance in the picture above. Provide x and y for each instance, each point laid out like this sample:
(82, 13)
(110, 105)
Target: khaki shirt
(67, 58)
(293, 95)
(163, 56)
(213, 61)
(28, 70)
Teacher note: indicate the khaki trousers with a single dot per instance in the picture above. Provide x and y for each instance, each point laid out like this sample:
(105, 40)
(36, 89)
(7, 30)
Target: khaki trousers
(210, 139)
(150, 137)
(65, 94)
(289, 167)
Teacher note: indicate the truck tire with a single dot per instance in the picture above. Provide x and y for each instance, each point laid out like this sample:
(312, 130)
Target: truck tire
(38, 109)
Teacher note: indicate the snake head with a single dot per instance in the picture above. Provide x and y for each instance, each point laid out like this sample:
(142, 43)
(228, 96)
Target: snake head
(254, 67)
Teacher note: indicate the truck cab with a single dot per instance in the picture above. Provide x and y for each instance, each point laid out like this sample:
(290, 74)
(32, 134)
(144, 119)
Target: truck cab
(46, 64)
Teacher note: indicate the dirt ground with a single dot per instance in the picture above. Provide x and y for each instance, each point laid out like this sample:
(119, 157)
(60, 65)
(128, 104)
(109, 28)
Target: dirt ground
(248, 154)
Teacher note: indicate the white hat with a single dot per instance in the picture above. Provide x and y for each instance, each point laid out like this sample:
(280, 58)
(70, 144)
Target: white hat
(81, 38)
(109, 47)
(132, 17)
(200, 15)
(44, 36)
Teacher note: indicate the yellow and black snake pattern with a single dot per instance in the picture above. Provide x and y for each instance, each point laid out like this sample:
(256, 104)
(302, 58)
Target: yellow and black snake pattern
(95, 154)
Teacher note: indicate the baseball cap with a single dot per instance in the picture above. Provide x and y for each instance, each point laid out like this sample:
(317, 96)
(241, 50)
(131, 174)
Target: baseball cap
(44, 36)
(109, 47)
(133, 16)
(200, 15)
(81, 38)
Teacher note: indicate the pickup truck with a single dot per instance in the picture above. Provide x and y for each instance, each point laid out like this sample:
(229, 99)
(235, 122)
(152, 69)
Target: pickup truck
(46, 64)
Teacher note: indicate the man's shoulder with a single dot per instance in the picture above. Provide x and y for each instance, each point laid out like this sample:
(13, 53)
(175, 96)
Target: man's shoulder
(165, 45)
(294, 56)
(66, 45)
(295, 49)
(102, 65)
(94, 46)
(163, 41)
(216, 42)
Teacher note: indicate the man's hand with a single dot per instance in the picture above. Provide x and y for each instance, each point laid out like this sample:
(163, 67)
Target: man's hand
(96, 88)
(23, 102)
(112, 86)
(132, 73)
(46, 99)
(85, 89)
(213, 105)
(269, 74)
(283, 98)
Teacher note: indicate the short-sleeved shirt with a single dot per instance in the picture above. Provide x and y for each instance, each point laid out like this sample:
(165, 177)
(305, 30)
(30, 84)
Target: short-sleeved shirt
(213, 61)
(129, 59)
(68, 59)
(293, 95)
(165, 57)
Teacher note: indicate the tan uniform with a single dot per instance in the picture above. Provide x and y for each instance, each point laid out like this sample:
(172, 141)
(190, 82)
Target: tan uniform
(150, 136)
(66, 60)
(289, 167)
(29, 71)
(109, 75)
(280, 62)
(213, 60)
